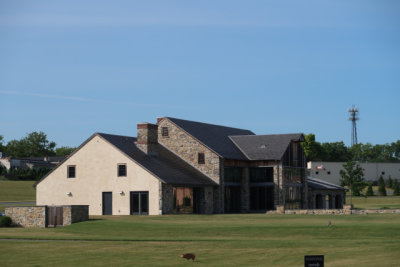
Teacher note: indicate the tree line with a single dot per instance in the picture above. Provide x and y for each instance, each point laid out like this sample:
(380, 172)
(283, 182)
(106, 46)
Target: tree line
(34, 144)
(338, 151)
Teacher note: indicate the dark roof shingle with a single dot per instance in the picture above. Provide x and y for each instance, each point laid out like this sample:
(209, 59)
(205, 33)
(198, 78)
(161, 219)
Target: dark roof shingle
(166, 165)
(322, 185)
(265, 147)
(215, 137)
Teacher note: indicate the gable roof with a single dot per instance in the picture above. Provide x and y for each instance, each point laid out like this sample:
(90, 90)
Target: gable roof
(265, 147)
(166, 165)
(215, 137)
(322, 185)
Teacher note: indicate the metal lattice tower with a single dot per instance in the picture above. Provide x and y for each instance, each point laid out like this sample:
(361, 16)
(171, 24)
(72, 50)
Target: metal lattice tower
(353, 118)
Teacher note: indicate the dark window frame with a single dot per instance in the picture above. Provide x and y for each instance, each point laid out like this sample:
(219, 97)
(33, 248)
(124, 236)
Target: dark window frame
(119, 174)
(201, 158)
(164, 132)
(69, 173)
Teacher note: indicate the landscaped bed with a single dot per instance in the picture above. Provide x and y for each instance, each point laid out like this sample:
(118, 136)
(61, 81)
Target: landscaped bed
(246, 239)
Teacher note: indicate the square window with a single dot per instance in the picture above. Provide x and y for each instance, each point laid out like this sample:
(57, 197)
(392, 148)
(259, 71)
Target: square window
(121, 170)
(200, 158)
(71, 171)
(164, 131)
(329, 172)
(316, 172)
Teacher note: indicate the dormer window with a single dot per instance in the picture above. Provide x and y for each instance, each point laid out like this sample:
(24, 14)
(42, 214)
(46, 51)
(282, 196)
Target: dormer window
(164, 132)
(200, 158)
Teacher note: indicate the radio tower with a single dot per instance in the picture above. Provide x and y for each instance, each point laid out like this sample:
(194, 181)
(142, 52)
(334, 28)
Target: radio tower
(353, 118)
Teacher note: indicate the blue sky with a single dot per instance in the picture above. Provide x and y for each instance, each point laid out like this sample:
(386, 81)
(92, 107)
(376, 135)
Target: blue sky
(72, 68)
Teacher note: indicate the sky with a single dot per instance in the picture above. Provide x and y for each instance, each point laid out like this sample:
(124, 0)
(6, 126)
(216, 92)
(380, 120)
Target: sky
(73, 68)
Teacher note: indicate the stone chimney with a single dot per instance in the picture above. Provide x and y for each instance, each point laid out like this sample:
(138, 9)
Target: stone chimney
(147, 138)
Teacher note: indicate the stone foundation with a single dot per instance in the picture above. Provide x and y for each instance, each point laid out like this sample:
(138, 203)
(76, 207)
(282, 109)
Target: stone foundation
(36, 216)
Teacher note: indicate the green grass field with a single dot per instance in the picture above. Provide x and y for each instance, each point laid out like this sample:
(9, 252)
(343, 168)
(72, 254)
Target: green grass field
(217, 240)
(13, 191)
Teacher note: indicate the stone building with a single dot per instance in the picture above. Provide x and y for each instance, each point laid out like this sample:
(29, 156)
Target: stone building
(181, 166)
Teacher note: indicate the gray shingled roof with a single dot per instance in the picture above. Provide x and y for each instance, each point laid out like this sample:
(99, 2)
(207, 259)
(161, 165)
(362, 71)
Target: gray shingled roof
(215, 137)
(322, 185)
(166, 166)
(265, 147)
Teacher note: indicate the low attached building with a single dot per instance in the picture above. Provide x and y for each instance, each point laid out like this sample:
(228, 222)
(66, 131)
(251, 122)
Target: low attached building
(180, 166)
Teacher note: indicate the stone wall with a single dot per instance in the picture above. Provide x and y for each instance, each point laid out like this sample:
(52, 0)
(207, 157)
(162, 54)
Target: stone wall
(187, 148)
(36, 216)
(75, 213)
(27, 216)
(345, 211)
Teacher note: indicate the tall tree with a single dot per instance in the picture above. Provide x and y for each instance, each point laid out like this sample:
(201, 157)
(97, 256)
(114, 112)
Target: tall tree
(34, 144)
(64, 150)
(396, 189)
(352, 176)
(389, 182)
(381, 186)
(312, 149)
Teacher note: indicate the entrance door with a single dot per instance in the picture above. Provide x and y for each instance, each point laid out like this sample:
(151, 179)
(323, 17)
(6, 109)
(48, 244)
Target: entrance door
(107, 203)
(232, 199)
(139, 203)
(54, 216)
(197, 192)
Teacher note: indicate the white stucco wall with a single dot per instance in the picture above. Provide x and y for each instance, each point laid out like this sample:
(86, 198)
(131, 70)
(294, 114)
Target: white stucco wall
(372, 171)
(96, 172)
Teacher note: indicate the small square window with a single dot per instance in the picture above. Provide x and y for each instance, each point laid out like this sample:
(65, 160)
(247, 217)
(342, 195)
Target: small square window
(164, 131)
(383, 173)
(121, 170)
(200, 158)
(329, 172)
(71, 171)
(316, 172)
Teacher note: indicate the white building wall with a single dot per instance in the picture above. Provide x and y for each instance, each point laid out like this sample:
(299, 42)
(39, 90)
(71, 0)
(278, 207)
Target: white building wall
(96, 172)
(331, 170)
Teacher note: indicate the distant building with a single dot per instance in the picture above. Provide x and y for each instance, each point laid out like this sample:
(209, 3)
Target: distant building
(330, 171)
(30, 163)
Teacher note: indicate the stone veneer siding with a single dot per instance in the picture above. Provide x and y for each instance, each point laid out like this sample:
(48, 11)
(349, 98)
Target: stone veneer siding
(187, 147)
(75, 213)
(36, 216)
(27, 216)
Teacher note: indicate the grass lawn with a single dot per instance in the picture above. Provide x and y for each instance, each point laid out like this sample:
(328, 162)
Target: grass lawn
(375, 202)
(217, 240)
(17, 191)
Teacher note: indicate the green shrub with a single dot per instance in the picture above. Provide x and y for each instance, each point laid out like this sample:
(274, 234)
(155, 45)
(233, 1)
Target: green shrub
(5, 221)
(396, 189)
(381, 186)
(389, 182)
(370, 191)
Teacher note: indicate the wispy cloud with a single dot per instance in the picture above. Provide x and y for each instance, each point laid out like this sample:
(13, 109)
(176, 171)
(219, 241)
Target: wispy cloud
(78, 99)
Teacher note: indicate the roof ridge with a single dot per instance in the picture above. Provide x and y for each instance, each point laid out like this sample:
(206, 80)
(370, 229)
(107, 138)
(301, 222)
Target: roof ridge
(115, 135)
(199, 122)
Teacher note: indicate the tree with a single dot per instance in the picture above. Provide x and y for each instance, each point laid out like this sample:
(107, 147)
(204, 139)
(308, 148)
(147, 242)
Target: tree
(389, 182)
(396, 189)
(312, 149)
(64, 151)
(34, 144)
(352, 176)
(1, 143)
(381, 186)
(336, 151)
(370, 191)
